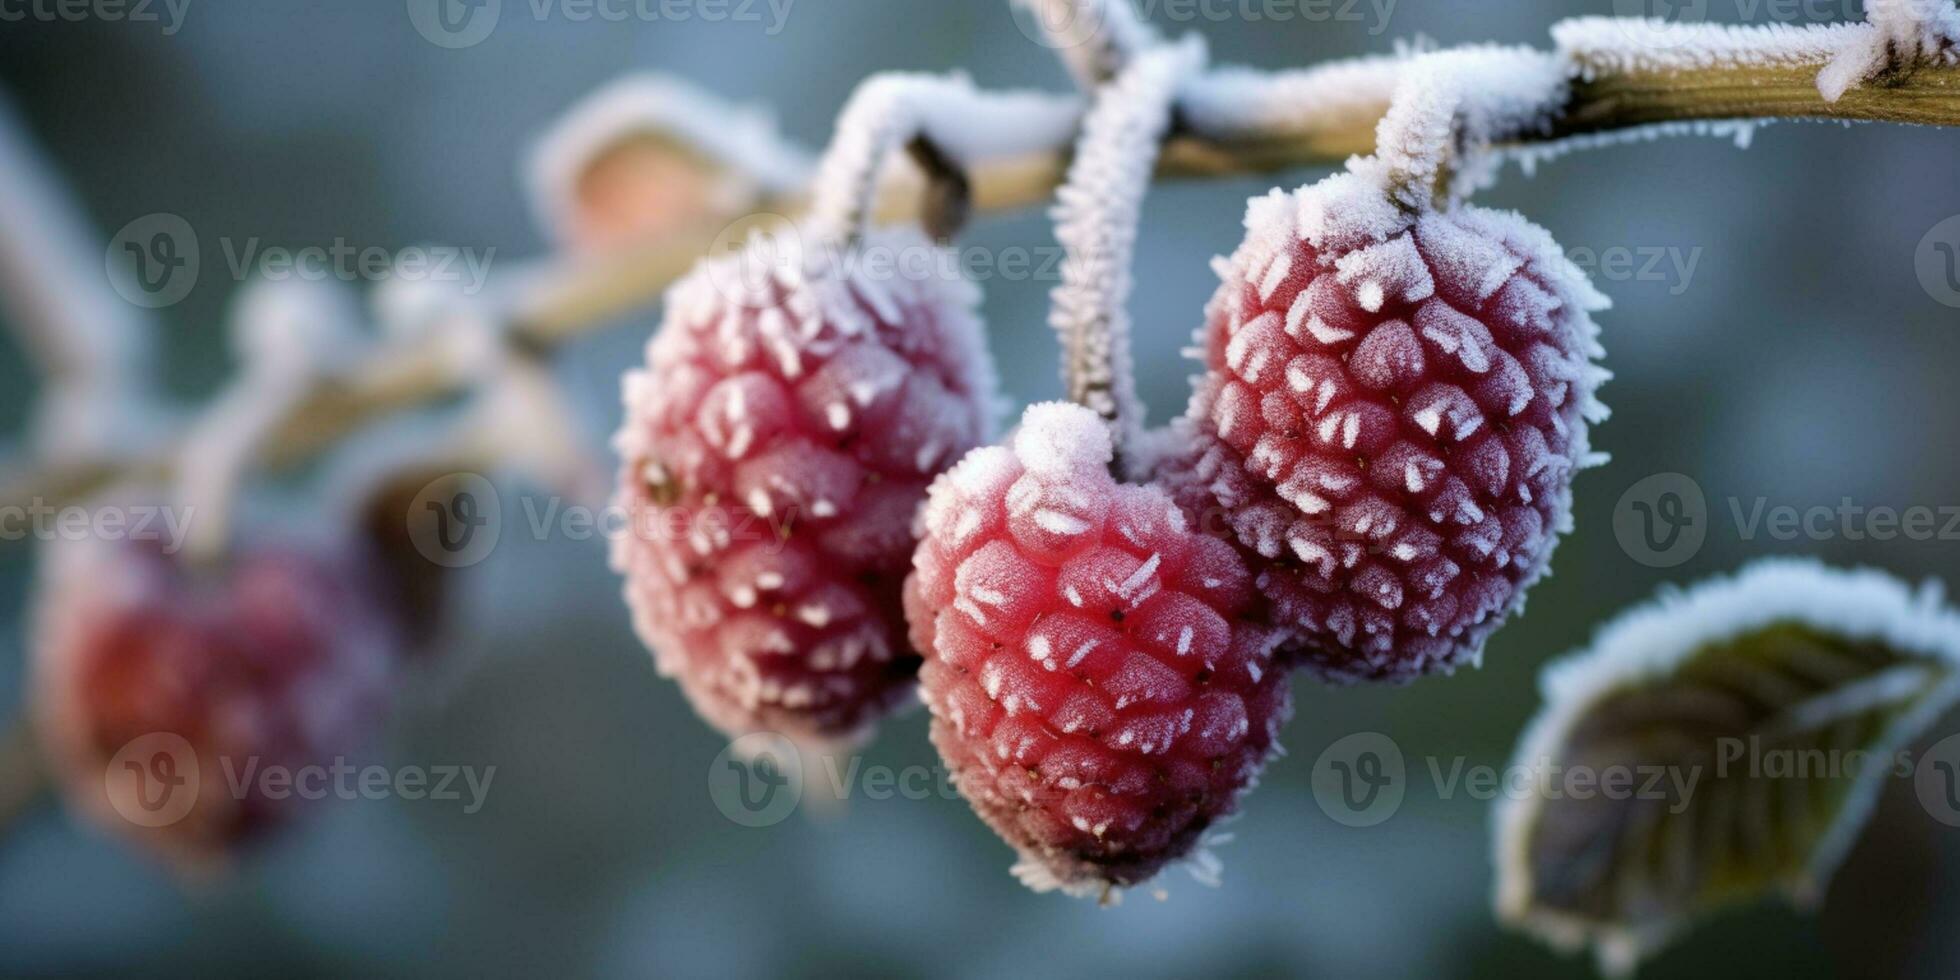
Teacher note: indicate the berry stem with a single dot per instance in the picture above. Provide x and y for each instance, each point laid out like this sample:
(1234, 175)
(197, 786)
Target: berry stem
(943, 122)
(1449, 108)
(1096, 223)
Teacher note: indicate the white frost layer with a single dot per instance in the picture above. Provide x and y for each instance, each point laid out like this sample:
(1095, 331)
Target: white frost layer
(1863, 604)
(967, 125)
(1650, 642)
(1058, 441)
(740, 137)
(1461, 102)
(1096, 220)
(1234, 102)
(1845, 54)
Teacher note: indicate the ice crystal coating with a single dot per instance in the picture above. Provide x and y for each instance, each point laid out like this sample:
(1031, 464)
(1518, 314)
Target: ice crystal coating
(1452, 106)
(1847, 54)
(1094, 688)
(286, 658)
(1096, 219)
(1395, 406)
(794, 407)
(1788, 657)
(892, 111)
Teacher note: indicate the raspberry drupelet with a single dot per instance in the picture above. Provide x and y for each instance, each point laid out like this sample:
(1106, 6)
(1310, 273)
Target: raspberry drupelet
(285, 658)
(1093, 686)
(1394, 408)
(794, 406)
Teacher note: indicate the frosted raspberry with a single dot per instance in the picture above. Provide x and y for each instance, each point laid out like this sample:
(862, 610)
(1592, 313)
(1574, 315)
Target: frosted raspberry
(1093, 688)
(775, 451)
(1395, 407)
(283, 660)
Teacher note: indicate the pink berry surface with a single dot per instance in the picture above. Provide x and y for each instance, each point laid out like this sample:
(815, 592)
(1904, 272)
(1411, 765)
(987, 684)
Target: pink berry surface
(777, 445)
(1094, 688)
(283, 659)
(1393, 410)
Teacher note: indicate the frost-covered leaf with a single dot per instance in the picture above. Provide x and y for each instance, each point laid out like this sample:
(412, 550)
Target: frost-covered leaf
(1754, 716)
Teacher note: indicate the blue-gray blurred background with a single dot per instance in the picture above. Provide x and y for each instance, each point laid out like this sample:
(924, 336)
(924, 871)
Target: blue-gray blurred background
(1801, 361)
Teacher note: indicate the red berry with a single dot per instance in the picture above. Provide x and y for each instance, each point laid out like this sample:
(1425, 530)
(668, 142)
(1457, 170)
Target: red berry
(775, 451)
(1394, 409)
(284, 660)
(1093, 687)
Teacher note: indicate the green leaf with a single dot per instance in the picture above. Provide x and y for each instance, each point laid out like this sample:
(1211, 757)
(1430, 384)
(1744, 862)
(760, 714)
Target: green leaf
(1754, 719)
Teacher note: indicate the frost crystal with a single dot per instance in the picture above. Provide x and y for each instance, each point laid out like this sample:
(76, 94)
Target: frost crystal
(1394, 410)
(1231, 102)
(1788, 659)
(795, 403)
(889, 110)
(1095, 687)
(1460, 102)
(1096, 221)
(1897, 31)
